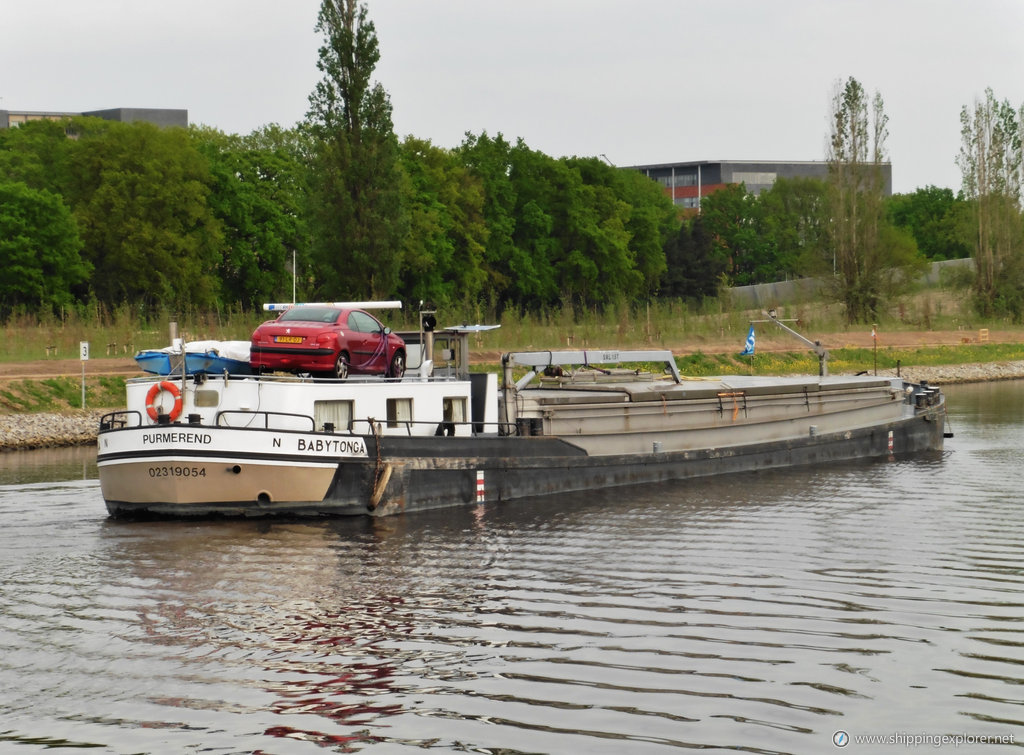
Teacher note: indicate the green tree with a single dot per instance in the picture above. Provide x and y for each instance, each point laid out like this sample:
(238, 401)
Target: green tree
(258, 194)
(652, 218)
(732, 218)
(442, 256)
(571, 231)
(758, 239)
(695, 265)
(793, 221)
(574, 232)
(358, 219)
(37, 154)
(39, 250)
(933, 216)
(508, 269)
(600, 267)
(140, 195)
(536, 182)
(872, 263)
(991, 161)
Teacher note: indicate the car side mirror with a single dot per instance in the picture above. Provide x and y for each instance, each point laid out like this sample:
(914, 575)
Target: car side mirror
(387, 331)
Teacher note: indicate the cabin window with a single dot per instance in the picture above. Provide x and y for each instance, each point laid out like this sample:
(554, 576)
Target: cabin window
(206, 398)
(455, 409)
(337, 412)
(399, 411)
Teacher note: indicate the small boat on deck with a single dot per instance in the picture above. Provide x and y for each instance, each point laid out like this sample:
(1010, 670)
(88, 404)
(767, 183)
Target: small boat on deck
(219, 357)
(210, 444)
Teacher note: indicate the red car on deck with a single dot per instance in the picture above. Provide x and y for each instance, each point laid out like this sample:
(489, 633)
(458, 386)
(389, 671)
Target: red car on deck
(327, 340)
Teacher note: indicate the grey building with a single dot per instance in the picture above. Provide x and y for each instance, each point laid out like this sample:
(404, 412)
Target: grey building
(162, 117)
(687, 182)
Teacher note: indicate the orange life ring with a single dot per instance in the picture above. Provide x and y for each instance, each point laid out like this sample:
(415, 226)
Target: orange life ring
(155, 391)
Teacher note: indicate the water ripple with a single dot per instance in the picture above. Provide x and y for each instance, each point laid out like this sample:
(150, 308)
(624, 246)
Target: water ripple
(758, 613)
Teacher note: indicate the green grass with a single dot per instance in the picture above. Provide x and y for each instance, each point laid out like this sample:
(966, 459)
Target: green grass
(679, 325)
(113, 334)
(122, 332)
(931, 355)
(60, 394)
(848, 361)
(125, 330)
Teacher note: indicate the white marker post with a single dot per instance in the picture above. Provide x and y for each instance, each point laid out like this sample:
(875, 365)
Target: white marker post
(83, 351)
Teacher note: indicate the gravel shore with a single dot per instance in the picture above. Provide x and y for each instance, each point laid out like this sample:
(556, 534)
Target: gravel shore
(51, 430)
(28, 431)
(981, 372)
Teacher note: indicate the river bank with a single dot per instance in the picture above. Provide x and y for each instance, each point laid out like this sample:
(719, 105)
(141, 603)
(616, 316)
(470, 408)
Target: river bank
(53, 430)
(22, 432)
(961, 373)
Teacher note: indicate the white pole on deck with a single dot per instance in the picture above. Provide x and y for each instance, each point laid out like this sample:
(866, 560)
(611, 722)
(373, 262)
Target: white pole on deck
(276, 306)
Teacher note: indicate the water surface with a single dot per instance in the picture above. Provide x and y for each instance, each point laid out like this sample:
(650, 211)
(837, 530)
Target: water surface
(760, 612)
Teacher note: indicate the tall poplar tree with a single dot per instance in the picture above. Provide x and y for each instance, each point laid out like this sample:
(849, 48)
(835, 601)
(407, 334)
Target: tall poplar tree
(358, 216)
(991, 160)
(871, 260)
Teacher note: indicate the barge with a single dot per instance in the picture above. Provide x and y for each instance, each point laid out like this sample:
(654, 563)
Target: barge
(201, 445)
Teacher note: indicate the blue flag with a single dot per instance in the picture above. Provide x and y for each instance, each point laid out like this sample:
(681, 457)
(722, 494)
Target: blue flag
(748, 349)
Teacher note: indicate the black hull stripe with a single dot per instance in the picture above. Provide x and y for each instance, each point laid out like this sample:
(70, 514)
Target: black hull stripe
(206, 454)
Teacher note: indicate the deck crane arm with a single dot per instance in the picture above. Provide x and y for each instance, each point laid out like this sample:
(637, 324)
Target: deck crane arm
(816, 346)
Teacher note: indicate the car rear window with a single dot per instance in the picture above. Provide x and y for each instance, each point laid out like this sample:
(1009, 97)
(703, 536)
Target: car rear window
(311, 314)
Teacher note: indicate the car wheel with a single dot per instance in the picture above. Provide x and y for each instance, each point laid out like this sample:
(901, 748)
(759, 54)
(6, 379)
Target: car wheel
(340, 371)
(397, 368)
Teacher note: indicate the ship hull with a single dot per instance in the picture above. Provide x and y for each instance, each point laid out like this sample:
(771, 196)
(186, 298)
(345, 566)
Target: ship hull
(387, 475)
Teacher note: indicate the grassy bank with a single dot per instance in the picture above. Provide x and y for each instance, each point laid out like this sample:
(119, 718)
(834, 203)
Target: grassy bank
(850, 360)
(60, 394)
(707, 337)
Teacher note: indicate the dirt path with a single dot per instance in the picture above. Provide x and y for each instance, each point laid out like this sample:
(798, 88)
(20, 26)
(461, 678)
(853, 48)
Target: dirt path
(41, 369)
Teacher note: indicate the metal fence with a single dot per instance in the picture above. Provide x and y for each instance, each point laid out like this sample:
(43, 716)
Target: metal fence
(804, 289)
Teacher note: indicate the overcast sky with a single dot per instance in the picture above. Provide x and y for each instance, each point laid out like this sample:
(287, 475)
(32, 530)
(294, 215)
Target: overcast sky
(639, 81)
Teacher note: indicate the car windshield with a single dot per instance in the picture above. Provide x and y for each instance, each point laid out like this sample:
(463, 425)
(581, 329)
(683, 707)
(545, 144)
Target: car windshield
(311, 314)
